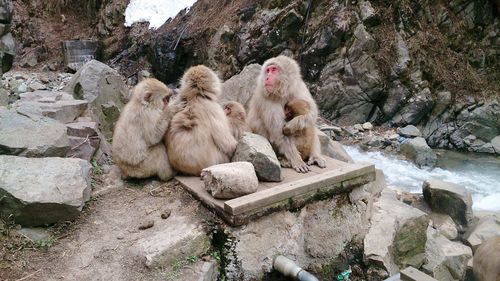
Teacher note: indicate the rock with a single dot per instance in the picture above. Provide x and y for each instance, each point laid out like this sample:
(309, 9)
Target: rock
(373, 141)
(419, 152)
(200, 271)
(416, 108)
(481, 122)
(257, 150)
(23, 136)
(310, 236)
(445, 260)
(39, 191)
(77, 52)
(230, 180)
(83, 148)
(403, 58)
(449, 198)
(332, 148)
(397, 236)
(82, 129)
(495, 142)
(409, 131)
(367, 13)
(56, 105)
(7, 51)
(184, 239)
(398, 94)
(444, 225)
(240, 87)
(363, 42)
(146, 225)
(35, 234)
(104, 89)
(486, 227)
(367, 126)
(143, 74)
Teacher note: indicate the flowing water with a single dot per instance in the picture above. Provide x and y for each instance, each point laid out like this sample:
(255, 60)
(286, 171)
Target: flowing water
(480, 174)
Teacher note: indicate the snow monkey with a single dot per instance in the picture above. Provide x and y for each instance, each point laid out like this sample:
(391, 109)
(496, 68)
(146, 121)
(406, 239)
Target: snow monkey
(303, 138)
(486, 263)
(280, 81)
(199, 135)
(237, 116)
(137, 147)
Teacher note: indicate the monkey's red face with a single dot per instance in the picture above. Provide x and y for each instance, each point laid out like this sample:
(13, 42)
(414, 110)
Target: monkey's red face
(272, 71)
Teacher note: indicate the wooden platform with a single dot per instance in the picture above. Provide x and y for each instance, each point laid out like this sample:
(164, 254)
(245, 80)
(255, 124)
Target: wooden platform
(293, 192)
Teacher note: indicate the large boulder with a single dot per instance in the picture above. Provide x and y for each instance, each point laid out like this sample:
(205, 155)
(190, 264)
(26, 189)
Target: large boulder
(38, 136)
(449, 198)
(495, 142)
(488, 226)
(230, 180)
(419, 152)
(397, 236)
(445, 260)
(105, 91)
(240, 87)
(40, 191)
(257, 150)
(7, 44)
(332, 148)
(57, 105)
(409, 131)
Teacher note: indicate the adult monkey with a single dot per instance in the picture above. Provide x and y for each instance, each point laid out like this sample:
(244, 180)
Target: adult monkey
(137, 148)
(199, 135)
(279, 82)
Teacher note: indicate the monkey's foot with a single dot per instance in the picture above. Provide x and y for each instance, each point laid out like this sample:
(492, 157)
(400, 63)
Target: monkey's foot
(301, 167)
(285, 163)
(317, 160)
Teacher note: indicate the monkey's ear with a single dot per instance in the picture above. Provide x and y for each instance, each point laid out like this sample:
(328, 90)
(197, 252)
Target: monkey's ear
(148, 96)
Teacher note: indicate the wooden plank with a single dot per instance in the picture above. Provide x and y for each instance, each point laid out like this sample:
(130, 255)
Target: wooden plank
(413, 274)
(281, 192)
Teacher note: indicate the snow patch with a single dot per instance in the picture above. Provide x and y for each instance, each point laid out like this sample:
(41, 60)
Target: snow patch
(155, 12)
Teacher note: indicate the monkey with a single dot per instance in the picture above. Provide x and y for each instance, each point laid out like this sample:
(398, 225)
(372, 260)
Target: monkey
(279, 82)
(137, 146)
(237, 116)
(486, 262)
(199, 135)
(303, 138)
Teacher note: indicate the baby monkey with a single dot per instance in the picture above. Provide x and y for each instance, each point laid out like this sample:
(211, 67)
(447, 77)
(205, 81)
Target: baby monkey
(303, 138)
(237, 117)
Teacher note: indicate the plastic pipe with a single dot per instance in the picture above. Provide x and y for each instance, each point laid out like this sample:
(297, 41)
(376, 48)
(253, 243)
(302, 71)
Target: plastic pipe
(288, 268)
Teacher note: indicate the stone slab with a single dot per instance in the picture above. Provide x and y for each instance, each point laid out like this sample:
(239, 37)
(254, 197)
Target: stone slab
(294, 191)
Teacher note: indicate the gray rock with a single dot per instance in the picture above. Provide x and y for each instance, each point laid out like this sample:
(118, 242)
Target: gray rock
(35, 234)
(373, 141)
(363, 42)
(56, 105)
(257, 150)
(24, 136)
(332, 148)
(160, 250)
(367, 13)
(409, 131)
(83, 148)
(6, 9)
(403, 58)
(449, 198)
(104, 89)
(7, 51)
(397, 236)
(396, 99)
(82, 129)
(445, 260)
(367, 126)
(495, 142)
(143, 74)
(310, 237)
(39, 191)
(444, 225)
(419, 152)
(416, 108)
(481, 122)
(487, 227)
(230, 180)
(240, 87)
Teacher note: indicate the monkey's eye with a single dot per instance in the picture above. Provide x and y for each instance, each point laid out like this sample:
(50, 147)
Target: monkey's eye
(166, 99)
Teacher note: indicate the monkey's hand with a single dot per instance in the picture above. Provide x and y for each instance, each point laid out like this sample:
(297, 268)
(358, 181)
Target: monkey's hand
(318, 160)
(301, 167)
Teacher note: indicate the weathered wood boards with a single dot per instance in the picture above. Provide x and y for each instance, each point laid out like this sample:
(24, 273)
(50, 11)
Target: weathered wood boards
(293, 192)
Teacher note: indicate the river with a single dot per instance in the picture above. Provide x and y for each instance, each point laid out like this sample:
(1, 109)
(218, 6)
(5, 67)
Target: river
(480, 174)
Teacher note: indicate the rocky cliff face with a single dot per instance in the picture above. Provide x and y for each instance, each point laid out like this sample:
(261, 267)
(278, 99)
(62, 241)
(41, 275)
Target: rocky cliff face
(433, 64)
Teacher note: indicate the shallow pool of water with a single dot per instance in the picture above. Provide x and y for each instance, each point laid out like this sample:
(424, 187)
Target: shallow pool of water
(480, 174)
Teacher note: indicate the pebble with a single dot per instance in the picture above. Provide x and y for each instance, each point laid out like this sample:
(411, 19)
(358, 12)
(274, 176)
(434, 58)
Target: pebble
(146, 225)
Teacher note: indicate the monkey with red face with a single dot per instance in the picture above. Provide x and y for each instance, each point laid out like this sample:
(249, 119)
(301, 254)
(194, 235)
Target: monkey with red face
(279, 82)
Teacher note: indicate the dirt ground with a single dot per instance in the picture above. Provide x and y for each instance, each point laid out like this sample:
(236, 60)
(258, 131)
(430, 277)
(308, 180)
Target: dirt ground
(97, 246)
